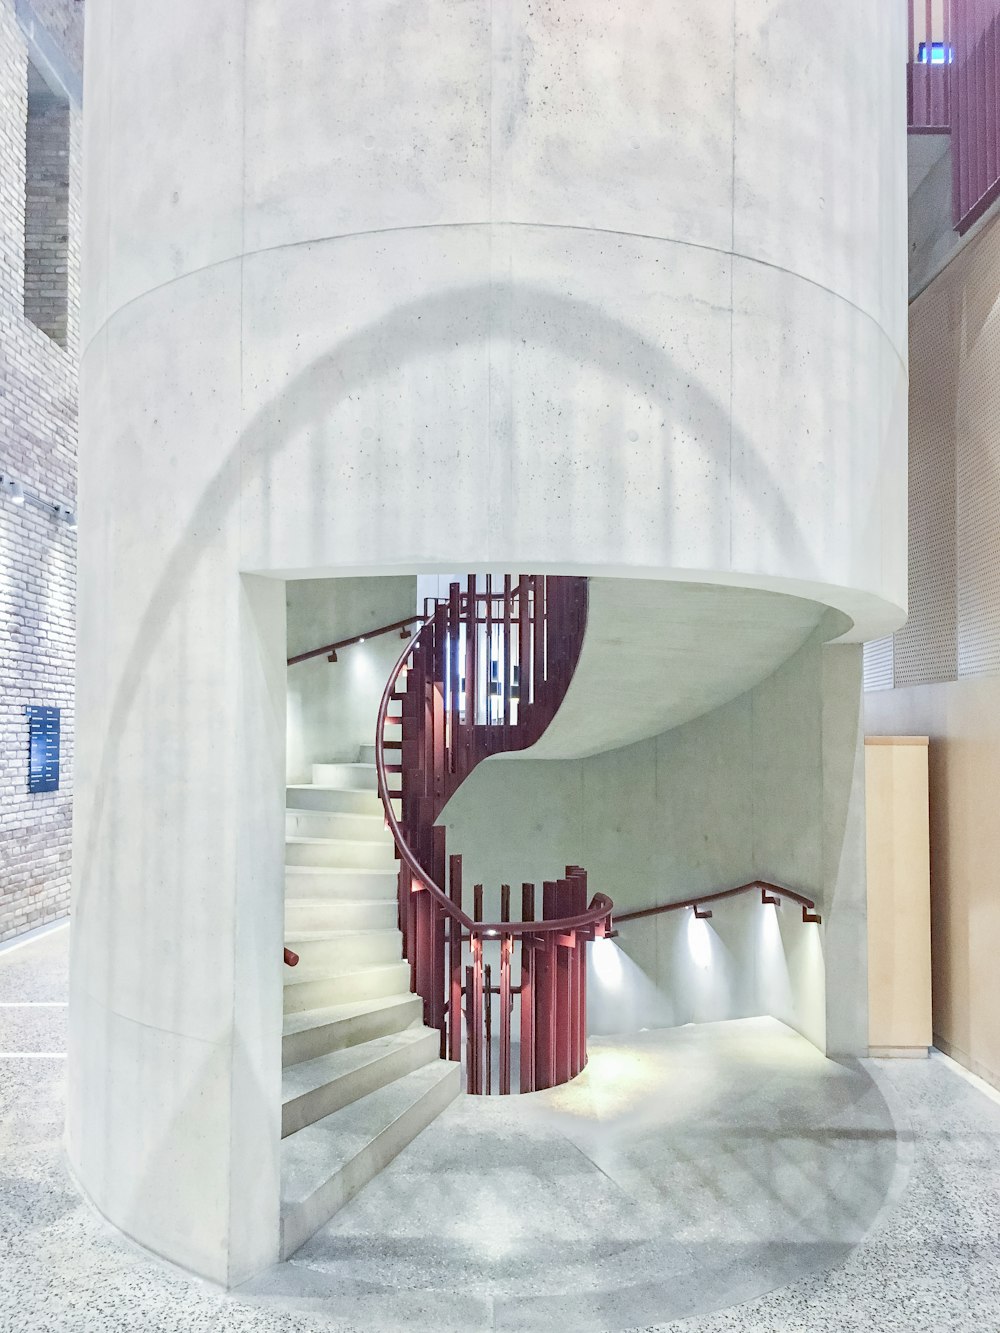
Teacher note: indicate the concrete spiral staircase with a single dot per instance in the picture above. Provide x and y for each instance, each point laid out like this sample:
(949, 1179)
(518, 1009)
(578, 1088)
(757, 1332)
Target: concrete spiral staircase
(362, 1074)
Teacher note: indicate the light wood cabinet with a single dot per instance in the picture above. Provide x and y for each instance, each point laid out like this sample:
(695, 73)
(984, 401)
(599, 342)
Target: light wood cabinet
(899, 910)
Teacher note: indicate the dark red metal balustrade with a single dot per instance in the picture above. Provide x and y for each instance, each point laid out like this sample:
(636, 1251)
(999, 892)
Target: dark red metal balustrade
(953, 87)
(928, 69)
(975, 98)
(484, 676)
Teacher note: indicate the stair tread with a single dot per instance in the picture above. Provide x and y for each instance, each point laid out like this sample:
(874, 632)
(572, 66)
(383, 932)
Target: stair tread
(333, 1013)
(311, 1156)
(298, 1080)
(299, 974)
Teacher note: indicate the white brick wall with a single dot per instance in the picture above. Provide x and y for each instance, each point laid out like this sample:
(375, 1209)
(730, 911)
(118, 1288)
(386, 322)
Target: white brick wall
(37, 552)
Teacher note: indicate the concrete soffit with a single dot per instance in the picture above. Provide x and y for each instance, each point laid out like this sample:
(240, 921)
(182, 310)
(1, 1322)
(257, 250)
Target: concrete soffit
(47, 57)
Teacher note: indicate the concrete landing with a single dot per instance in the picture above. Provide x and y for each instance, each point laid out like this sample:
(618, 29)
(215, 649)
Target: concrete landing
(686, 1170)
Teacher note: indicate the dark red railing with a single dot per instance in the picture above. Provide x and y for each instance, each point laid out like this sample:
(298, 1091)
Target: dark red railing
(769, 893)
(928, 70)
(953, 86)
(975, 93)
(485, 675)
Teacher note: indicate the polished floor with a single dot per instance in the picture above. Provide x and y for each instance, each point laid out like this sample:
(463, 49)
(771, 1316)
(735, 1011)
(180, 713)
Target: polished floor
(724, 1177)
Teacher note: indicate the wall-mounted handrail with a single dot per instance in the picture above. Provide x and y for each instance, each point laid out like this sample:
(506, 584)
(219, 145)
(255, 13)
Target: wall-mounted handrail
(769, 892)
(485, 674)
(332, 648)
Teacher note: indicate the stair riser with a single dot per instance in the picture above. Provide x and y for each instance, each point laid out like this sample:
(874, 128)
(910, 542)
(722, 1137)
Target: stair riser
(310, 914)
(360, 885)
(334, 824)
(313, 1106)
(337, 800)
(300, 1221)
(299, 1046)
(346, 855)
(366, 755)
(345, 775)
(345, 989)
(352, 951)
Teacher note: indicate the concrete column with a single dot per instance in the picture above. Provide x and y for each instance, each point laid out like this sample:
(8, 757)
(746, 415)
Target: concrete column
(416, 289)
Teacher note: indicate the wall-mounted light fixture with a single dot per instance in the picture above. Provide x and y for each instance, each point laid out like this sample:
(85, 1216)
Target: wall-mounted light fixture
(19, 496)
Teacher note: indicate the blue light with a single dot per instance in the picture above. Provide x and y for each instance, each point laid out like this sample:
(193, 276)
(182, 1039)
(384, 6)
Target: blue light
(935, 53)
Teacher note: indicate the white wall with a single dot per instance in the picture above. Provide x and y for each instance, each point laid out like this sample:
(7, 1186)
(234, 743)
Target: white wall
(767, 786)
(333, 706)
(518, 288)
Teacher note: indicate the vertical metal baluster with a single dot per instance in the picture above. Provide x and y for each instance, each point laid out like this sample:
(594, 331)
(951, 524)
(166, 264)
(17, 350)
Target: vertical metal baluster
(456, 752)
(543, 966)
(437, 970)
(524, 652)
(455, 962)
(506, 660)
(488, 1030)
(911, 69)
(563, 1003)
(470, 1026)
(477, 952)
(929, 53)
(527, 1044)
(505, 996)
(506, 944)
(489, 658)
(477, 963)
(471, 694)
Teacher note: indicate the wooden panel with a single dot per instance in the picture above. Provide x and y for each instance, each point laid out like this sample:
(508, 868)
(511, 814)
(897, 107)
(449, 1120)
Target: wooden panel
(899, 927)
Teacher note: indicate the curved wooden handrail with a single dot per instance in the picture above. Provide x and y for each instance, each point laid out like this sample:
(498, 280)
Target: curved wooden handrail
(769, 892)
(598, 911)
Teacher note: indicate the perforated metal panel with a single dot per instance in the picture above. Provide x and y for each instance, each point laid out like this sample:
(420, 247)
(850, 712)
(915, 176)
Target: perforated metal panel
(979, 502)
(925, 649)
(878, 664)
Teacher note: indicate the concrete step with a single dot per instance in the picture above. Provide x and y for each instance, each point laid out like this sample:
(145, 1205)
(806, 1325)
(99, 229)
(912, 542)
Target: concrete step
(313, 1032)
(336, 824)
(357, 777)
(325, 1164)
(317, 1088)
(317, 988)
(353, 853)
(340, 883)
(308, 914)
(320, 796)
(366, 755)
(339, 949)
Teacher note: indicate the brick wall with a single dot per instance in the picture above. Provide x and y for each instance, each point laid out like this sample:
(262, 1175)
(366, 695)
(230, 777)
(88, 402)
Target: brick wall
(37, 550)
(46, 209)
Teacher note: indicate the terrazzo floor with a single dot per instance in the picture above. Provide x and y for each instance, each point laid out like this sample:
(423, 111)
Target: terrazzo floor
(724, 1177)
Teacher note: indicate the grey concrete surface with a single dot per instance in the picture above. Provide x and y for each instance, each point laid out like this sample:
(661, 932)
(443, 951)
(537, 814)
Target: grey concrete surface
(695, 1180)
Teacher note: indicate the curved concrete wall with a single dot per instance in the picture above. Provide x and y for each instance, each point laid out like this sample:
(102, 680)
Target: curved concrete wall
(395, 286)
